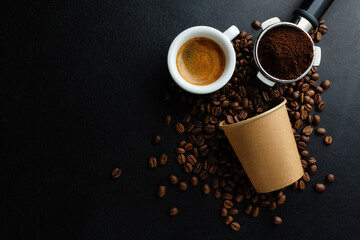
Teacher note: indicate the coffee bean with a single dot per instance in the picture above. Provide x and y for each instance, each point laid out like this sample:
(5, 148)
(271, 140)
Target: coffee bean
(320, 106)
(301, 185)
(161, 191)
(304, 153)
(242, 34)
(298, 124)
(330, 178)
(224, 212)
(272, 206)
(295, 185)
(181, 159)
(307, 130)
(188, 168)
(325, 84)
(228, 219)
(217, 193)
(306, 177)
(204, 175)
(173, 211)
(116, 173)
(186, 118)
(239, 197)
(152, 162)
(228, 204)
(312, 169)
(234, 211)
(206, 189)
(227, 195)
(235, 226)
(188, 146)
(310, 119)
(180, 150)
(183, 186)
(194, 181)
(277, 220)
(328, 140)
(179, 128)
(197, 168)
(316, 120)
(255, 212)
(156, 139)
(167, 120)
(304, 164)
(305, 139)
(191, 159)
(248, 209)
(256, 24)
(281, 200)
(319, 187)
(312, 160)
(173, 179)
(163, 159)
(320, 131)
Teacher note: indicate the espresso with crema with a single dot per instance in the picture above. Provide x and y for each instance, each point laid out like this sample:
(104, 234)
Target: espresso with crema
(200, 61)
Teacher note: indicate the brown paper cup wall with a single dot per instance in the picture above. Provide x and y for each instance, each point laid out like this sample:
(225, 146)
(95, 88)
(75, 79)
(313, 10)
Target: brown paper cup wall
(266, 148)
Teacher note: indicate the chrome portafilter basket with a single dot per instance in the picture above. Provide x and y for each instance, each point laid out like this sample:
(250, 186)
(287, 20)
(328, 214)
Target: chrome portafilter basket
(305, 19)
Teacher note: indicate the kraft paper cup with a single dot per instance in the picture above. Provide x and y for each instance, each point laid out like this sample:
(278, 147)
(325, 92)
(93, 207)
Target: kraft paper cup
(266, 148)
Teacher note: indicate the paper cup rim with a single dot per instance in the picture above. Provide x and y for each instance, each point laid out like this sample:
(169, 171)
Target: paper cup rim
(223, 125)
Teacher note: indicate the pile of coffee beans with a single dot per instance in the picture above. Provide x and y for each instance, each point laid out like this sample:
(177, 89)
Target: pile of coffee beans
(205, 154)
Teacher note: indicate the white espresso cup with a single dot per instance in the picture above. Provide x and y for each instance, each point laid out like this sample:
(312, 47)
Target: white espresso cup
(222, 39)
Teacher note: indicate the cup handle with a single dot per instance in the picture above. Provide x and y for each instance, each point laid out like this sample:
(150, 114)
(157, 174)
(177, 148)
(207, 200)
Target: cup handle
(231, 32)
(264, 79)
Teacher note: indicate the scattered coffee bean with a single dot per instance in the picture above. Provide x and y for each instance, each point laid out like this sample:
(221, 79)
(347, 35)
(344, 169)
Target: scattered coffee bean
(224, 212)
(235, 226)
(325, 84)
(183, 186)
(330, 178)
(206, 189)
(312, 169)
(217, 193)
(320, 106)
(312, 160)
(301, 185)
(307, 130)
(256, 24)
(234, 211)
(228, 204)
(152, 162)
(319, 187)
(163, 159)
(194, 181)
(320, 131)
(228, 219)
(277, 220)
(255, 212)
(188, 168)
(188, 146)
(173, 211)
(161, 191)
(191, 159)
(179, 128)
(248, 209)
(328, 140)
(167, 120)
(173, 179)
(239, 197)
(181, 159)
(316, 120)
(156, 139)
(116, 173)
(282, 199)
(180, 150)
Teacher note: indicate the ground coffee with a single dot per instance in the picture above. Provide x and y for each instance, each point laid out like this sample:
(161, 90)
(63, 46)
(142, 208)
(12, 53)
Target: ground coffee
(285, 52)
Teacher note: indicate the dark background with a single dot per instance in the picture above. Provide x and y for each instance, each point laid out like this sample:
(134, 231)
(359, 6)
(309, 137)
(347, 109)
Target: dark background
(81, 85)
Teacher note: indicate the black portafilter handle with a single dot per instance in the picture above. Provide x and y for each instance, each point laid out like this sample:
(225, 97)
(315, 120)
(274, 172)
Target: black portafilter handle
(313, 10)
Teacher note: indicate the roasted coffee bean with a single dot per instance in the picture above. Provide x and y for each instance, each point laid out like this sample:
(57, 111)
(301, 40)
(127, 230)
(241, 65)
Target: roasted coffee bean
(227, 195)
(167, 120)
(116, 173)
(312, 160)
(328, 140)
(179, 128)
(191, 138)
(248, 208)
(191, 159)
(180, 150)
(256, 24)
(194, 181)
(234, 211)
(197, 168)
(306, 177)
(272, 206)
(217, 193)
(195, 151)
(277, 220)
(304, 163)
(181, 159)
(301, 185)
(312, 169)
(228, 219)
(186, 118)
(310, 119)
(281, 200)
(319, 187)
(307, 130)
(173, 179)
(316, 120)
(228, 204)
(317, 98)
(173, 211)
(295, 185)
(239, 197)
(235, 226)
(224, 212)
(298, 124)
(200, 141)
(320, 131)
(182, 143)
(305, 139)
(255, 212)
(188, 146)
(242, 34)
(325, 84)
(156, 139)
(152, 162)
(206, 189)
(320, 106)
(161, 191)
(188, 168)
(204, 175)
(163, 159)
(330, 178)
(183, 186)
(304, 153)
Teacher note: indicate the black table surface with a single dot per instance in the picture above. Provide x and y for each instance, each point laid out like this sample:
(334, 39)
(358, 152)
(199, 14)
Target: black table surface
(81, 94)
